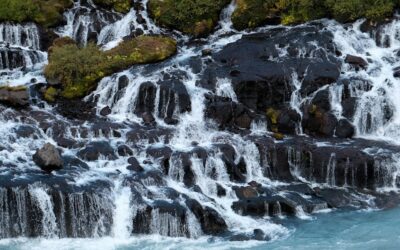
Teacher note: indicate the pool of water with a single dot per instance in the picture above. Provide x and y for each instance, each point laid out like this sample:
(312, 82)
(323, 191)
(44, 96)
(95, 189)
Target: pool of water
(337, 230)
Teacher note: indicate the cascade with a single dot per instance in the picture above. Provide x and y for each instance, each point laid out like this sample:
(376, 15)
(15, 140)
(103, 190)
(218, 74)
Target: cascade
(184, 147)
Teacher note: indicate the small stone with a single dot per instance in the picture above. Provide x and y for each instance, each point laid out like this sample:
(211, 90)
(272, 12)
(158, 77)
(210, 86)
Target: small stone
(171, 121)
(105, 111)
(124, 150)
(356, 61)
(278, 136)
(206, 52)
(246, 193)
(148, 118)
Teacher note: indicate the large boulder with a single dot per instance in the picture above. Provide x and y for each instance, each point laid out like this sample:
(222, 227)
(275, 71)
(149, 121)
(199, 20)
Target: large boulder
(48, 158)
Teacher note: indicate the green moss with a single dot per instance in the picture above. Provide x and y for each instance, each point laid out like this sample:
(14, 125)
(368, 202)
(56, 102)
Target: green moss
(194, 17)
(252, 13)
(14, 88)
(278, 136)
(273, 116)
(80, 69)
(47, 13)
(122, 6)
(350, 10)
(50, 94)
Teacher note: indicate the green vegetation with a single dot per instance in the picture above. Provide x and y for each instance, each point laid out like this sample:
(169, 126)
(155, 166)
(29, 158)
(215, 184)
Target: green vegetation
(79, 69)
(273, 116)
(14, 88)
(122, 6)
(194, 17)
(47, 13)
(50, 94)
(252, 13)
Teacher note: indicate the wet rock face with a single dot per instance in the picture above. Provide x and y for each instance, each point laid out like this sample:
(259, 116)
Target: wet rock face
(211, 222)
(267, 70)
(228, 114)
(11, 59)
(173, 97)
(262, 65)
(48, 158)
(93, 151)
(76, 109)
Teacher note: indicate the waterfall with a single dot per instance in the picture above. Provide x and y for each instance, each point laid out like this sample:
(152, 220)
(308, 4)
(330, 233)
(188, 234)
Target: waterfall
(123, 213)
(26, 35)
(376, 113)
(85, 21)
(181, 148)
(296, 100)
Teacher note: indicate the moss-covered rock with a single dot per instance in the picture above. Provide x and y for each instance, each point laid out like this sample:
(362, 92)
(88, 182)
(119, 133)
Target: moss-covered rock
(78, 70)
(122, 6)
(253, 13)
(15, 96)
(194, 17)
(47, 13)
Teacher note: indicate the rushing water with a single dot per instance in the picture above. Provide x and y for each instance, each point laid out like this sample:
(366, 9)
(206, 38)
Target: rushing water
(107, 206)
(362, 230)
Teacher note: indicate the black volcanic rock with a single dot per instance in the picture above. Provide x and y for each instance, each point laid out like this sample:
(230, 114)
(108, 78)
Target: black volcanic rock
(261, 71)
(94, 150)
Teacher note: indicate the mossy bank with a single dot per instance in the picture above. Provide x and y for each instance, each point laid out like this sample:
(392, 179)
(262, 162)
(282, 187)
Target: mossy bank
(194, 17)
(47, 13)
(77, 70)
(253, 13)
(122, 6)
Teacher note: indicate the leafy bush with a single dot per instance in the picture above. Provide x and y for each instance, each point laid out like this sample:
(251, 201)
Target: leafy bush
(79, 69)
(195, 17)
(47, 13)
